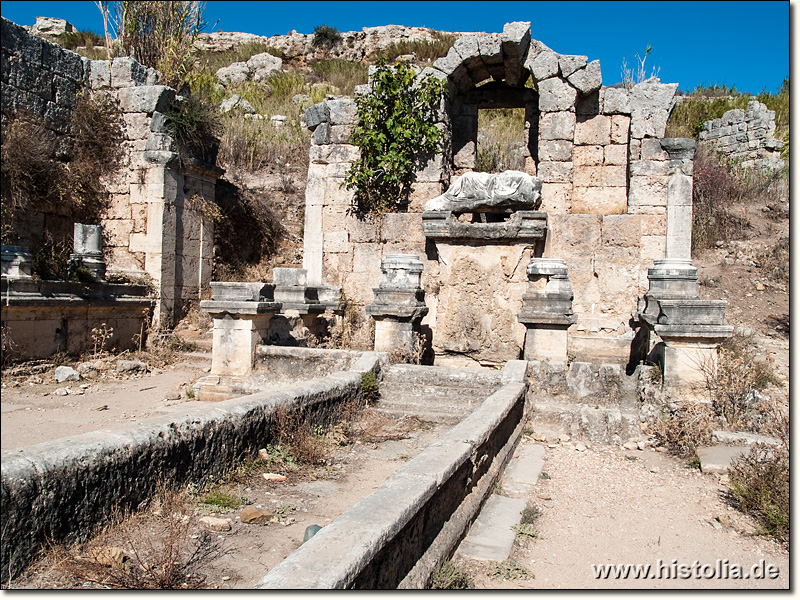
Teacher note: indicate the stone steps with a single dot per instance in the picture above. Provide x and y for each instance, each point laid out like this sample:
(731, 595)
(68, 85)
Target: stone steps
(588, 422)
(438, 394)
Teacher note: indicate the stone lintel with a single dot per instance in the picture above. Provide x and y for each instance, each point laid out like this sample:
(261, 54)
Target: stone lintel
(542, 320)
(239, 308)
(529, 225)
(241, 291)
(705, 334)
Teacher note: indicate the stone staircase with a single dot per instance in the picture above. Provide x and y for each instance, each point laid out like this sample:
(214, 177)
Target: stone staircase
(436, 394)
(591, 403)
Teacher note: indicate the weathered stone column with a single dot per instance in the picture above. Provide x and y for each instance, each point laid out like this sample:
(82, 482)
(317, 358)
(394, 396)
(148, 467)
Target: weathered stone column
(690, 327)
(547, 310)
(87, 248)
(398, 306)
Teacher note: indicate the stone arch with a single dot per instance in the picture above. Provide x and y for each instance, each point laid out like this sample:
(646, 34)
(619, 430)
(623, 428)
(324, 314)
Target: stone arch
(491, 71)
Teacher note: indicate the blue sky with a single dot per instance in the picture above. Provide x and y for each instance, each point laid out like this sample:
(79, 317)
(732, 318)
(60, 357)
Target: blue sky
(742, 44)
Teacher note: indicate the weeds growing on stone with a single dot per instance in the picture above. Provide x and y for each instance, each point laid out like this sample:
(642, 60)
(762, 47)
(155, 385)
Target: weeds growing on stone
(451, 577)
(508, 570)
(423, 50)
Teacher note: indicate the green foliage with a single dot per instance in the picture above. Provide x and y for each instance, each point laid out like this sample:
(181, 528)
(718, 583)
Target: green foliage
(369, 387)
(157, 34)
(451, 577)
(703, 104)
(326, 36)
(221, 498)
(195, 125)
(396, 128)
(525, 531)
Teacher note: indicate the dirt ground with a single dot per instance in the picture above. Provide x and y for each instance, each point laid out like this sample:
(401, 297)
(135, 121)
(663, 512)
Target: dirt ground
(607, 505)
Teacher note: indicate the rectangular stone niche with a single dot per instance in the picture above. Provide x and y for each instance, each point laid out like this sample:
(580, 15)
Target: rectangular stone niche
(522, 226)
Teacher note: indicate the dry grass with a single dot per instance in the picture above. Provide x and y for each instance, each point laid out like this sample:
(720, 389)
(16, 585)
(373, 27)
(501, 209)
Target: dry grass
(501, 140)
(159, 547)
(685, 429)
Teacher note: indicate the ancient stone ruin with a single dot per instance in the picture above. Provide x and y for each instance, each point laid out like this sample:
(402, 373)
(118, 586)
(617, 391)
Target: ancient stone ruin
(583, 258)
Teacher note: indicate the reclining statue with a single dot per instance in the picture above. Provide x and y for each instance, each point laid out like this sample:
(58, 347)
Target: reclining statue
(483, 192)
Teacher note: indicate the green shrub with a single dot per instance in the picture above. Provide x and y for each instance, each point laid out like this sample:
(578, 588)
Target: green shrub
(157, 34)
(326, 36)
(369, 387)
(195, 124)
(396, 127)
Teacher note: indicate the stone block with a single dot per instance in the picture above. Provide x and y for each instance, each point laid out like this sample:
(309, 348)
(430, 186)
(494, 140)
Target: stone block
(575, 235)
(616, 101)
(322, 134)
(622, 230)
(146, 99)
(490, 48)
(361, 232)
(648, 190)
(571, 63)
(649, 168)
(587, 155)
(593, 130)
(126, 72)
(556, 150)
(99, 74)
(616, 155)
(635, 150)
(653, 246)
(431, 168)
(555, 172)
(557, 126)
(342, 111)
(341, 134)
(620, 129)
(588, 104)
(334, 153)
(652, 150)
(599, 200)
(556, 95)
(543, 65)
(650, 105)
(588, 79)
(402, 227)
(421, 192)
(316, 114)
(654, 225)
(600, 176)
(556, 198)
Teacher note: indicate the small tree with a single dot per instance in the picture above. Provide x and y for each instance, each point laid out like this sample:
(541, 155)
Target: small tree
(158, 34)
(326, 36)
(396, 124)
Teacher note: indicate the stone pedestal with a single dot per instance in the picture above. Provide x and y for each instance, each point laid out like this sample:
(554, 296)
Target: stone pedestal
(399, 304)
(241, 313)
(547, 310)
(17, 262)
(88, 250)
(691, 328)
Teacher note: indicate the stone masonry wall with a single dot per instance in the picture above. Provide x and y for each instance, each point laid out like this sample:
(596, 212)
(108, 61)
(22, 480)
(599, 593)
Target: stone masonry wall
(746, 136)
(604, 178)
(154, 228)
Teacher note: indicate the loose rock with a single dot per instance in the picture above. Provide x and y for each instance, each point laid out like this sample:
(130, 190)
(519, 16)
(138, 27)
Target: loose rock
(255, 515)
(66, 374)
(215, 523)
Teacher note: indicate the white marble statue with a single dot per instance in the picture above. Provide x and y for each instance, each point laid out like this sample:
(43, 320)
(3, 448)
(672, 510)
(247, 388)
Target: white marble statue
(480, 192)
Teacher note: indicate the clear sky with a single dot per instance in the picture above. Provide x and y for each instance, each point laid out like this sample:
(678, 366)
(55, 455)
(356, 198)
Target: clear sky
(741, 44)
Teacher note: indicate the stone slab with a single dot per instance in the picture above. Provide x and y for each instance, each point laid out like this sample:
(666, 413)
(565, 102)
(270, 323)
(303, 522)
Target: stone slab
(491, 536)
(523, 470)
(717, 459)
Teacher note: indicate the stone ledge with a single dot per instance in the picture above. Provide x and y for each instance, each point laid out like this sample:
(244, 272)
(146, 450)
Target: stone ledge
(528, 225)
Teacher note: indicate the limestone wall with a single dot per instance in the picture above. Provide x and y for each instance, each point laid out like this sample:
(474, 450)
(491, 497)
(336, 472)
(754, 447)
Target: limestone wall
(746, 136)
(155, 227)
(604, 174)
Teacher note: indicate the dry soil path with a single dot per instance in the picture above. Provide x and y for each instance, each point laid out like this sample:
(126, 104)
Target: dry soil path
(607, 505)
